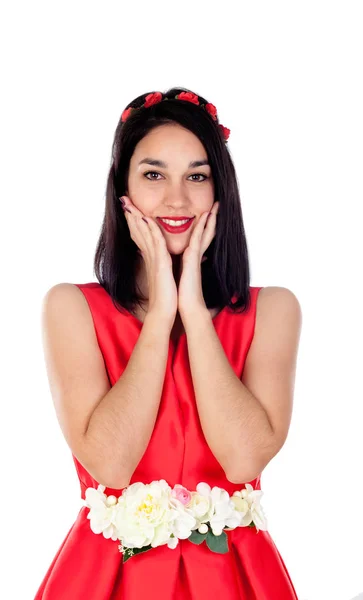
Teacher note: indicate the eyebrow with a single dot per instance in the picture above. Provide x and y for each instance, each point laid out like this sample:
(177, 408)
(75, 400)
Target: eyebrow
(160, 163)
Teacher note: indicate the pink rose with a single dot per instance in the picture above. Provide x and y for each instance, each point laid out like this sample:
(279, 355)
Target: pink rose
(181, 493)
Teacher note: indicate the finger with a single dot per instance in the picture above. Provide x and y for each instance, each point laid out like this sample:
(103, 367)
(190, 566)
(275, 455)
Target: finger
(214, 209)
(132, 209)
(129, 206)
(196, 236)
(212, 215)
(145, 224)
(210, 228)
(139, 229)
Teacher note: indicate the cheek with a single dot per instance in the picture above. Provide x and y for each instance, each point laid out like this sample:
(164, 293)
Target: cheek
(143, 197)
(205, 203)
(207, 196)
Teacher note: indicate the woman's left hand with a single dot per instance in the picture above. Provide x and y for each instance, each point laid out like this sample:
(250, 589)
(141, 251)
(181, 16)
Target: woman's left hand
(190, 293)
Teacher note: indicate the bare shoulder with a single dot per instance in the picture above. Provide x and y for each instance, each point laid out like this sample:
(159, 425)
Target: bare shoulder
(277, 329)
(277, 292)
(62, 290)
(278, 304)
(65, 312)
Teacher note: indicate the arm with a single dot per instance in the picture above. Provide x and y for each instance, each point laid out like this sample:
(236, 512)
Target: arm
(107, 428)
(246, 422)
(121, 426)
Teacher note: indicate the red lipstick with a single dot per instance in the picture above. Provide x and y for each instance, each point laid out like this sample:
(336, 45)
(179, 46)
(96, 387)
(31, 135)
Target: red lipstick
(176, 228)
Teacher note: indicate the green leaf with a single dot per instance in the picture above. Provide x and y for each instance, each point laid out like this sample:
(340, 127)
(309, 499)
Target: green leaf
(217, 543)
(196, 537)
(130, 552)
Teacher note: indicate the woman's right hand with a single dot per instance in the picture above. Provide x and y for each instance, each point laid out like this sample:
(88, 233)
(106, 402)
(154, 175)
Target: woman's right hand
(163, 293)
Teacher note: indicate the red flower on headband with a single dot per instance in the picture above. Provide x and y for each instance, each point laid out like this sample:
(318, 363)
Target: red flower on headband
(125, 115)
(153, 98)
(189, 96)
(156, 97)
(225, 131)
(211, 109)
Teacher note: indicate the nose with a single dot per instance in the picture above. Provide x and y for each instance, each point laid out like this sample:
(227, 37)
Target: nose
(177, 201)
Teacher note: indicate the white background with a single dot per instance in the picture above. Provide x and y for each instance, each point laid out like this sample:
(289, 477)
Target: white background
(286, 78)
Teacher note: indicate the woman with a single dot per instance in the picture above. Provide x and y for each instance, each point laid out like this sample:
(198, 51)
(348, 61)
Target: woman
(172, 377)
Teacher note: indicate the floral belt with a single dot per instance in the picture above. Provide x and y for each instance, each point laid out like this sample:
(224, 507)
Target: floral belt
(149, 515)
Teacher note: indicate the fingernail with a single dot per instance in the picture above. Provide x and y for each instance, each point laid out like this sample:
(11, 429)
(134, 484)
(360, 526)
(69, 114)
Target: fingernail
(128, 210)
(122, 201)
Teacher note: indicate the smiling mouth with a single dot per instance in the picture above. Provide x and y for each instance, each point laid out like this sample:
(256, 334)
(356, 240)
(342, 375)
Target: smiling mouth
(177, 228)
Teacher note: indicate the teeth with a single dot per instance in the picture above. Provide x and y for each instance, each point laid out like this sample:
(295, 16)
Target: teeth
(175, 223)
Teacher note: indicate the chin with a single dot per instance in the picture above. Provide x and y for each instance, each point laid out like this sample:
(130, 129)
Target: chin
(176, 252)
(177, 246)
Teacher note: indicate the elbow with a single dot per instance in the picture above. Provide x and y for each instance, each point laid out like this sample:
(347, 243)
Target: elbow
(112, 481)
(243, 479)
(244, 476)
(98, 467)
(113, 484)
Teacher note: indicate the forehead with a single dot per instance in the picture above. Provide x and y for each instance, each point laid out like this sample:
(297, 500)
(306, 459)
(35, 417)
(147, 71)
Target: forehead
(169, 143)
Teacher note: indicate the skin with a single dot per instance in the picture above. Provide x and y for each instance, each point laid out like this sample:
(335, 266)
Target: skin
(245, 421)
(175, 190)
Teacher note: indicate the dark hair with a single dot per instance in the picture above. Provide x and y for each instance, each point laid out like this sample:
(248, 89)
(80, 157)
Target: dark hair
(226, 272)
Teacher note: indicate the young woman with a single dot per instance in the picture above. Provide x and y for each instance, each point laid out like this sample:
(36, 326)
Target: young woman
(172, 377)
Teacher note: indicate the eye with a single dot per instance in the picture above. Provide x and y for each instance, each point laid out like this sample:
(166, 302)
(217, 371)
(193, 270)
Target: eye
(152, 172)
(194, 175)
(199, 175)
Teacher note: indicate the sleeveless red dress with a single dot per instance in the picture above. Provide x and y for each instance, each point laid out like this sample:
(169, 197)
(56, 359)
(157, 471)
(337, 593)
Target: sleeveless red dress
(88, 566)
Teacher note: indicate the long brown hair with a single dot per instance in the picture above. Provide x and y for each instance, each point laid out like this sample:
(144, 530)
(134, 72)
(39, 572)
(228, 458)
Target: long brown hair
(226, 271)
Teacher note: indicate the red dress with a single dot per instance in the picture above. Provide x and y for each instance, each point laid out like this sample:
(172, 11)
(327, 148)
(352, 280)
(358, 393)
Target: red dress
(88, 566)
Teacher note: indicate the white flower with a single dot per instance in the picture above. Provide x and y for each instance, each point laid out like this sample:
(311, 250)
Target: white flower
(184, 521)
(255, 512)
(219, 508)
(150, 515)
(172, 542)
(102, 515)
(145, 515)
(201, 505)
(225, 513)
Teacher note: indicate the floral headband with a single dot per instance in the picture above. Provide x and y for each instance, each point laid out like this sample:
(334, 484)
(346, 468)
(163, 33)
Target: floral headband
(156, 97)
